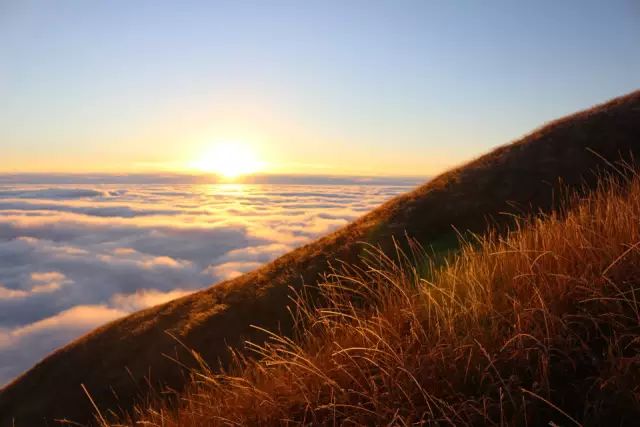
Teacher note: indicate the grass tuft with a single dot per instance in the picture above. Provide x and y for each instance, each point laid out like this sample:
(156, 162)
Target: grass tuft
(538, 326)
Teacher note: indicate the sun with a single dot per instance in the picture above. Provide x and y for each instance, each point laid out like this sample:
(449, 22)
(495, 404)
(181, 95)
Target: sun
(229, 160)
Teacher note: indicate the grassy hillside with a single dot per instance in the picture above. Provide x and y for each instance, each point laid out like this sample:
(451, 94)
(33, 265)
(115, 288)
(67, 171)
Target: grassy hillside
(539, 327)
(119, 361)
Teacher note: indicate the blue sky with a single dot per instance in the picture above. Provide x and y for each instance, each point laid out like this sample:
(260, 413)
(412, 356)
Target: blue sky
(365, 87)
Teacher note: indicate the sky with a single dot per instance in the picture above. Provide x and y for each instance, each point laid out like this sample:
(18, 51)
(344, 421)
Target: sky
(307, 87)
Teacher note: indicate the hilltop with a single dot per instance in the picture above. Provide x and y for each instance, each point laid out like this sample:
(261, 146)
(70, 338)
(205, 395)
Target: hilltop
(119, 361)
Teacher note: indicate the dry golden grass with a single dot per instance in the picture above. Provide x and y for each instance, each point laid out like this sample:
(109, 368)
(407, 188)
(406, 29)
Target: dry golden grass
(539, 326)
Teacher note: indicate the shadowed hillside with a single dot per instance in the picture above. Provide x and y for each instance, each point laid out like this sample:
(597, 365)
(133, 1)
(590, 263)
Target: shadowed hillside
(538, 326)
(118, 361)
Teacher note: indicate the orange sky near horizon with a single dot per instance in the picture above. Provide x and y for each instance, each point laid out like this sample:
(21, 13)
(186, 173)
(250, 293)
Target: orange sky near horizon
(394, 88)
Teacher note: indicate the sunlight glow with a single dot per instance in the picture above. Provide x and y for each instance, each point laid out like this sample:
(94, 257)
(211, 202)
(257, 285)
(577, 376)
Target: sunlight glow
(229, 160)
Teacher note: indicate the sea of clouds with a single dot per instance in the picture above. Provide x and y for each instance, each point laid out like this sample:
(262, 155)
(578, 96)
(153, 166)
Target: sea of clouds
(74, 256)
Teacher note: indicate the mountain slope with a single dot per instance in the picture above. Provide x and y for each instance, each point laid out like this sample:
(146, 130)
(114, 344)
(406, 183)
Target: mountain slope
(537, 326)
(117, 361)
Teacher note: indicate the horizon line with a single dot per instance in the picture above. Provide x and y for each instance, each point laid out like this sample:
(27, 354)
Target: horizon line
(61, 178)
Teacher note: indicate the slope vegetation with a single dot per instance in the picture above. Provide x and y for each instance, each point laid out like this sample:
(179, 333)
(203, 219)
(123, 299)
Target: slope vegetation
(118, 362)
(538, 327)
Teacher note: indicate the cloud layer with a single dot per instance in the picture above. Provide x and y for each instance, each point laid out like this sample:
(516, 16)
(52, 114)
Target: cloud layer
(73, 257)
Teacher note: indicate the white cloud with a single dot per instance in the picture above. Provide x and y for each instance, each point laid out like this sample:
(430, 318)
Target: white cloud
(44, 283)
(229, 270)
(75, 257)
(261, 253)
(80, 318)
(22, 347)
(145, 298)
(6, 293)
